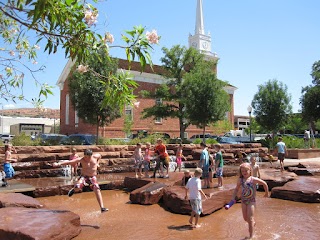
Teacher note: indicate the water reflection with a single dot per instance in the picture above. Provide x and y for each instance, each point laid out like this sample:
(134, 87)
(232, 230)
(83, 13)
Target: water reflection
(276, 219)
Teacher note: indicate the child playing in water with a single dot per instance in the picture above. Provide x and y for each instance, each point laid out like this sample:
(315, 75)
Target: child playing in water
(219, 165)
(146, 159)
(138, 160)
(194, 187)
(89, 171)
(74, 166)
(248, 194)
(7, 167)
(255, 167)
(187, 175)
(3, 177)
(240, 156)
(179, 157)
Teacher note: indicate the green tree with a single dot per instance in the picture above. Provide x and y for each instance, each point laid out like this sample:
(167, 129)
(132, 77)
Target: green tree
(310, 100)
(205, 100)
(88, 91)
(255, 127)
(222, 126)
(176, 62)
(271, 105)
(68, 24)
(295, 124)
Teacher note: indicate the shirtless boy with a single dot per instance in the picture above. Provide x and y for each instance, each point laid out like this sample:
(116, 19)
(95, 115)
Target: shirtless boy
(90, 164)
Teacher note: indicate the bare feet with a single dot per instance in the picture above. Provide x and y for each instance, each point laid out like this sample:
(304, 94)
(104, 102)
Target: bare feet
(190, 221)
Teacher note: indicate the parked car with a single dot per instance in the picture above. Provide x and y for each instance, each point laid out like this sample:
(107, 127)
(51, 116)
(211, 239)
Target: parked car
(229, 140)
(51, 139)
(79, 139)
(7, 137)
(200, 136)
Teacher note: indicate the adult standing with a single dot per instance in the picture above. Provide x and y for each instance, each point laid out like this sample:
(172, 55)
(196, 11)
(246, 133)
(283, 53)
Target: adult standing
(90, 164)
(281, 151)
(162, 158)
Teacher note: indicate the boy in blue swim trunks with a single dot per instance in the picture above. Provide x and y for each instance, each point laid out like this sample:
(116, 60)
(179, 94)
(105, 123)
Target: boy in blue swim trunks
(194, 188)
(7, 167)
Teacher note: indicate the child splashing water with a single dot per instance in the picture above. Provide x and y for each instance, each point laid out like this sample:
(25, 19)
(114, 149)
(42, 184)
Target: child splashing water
(248, 194)
(8, 159)
(74, 166)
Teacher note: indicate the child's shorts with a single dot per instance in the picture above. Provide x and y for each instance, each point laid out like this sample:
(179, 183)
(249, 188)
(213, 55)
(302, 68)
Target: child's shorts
(138, 164)
(8, 169)
(219, 172)
(146, 165)
(196, 205)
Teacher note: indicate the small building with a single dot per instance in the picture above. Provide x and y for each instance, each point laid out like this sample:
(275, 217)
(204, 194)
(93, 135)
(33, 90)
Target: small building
(241, 122)
(30, 129)
(30, 126)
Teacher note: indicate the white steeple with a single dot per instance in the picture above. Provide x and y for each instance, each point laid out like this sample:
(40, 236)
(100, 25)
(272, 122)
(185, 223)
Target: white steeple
(200, 40)
(199, 19)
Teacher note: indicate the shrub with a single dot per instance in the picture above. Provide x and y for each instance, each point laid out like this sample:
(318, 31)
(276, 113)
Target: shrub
(208, 141)
(25, 140)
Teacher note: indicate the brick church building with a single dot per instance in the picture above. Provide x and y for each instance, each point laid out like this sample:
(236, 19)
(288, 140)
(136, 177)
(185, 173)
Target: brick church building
(147, 80)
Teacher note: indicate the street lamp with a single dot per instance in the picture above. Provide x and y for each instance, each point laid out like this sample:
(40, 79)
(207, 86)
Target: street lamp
(249, 111)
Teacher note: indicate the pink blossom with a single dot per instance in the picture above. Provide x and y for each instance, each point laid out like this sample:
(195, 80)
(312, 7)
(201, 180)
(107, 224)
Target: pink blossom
(108, 38)
(82, 68)
(90, 17)
(36, 47)
(12, 53)
(136, 104)
(152, 37)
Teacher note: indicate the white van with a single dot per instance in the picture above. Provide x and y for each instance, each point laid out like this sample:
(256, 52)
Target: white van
(7, 137)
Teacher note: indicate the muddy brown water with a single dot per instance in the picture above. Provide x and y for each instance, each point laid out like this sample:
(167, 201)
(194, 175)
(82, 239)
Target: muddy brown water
(275, 219)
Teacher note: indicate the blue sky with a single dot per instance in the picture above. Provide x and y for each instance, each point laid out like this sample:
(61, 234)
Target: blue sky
(255, 40)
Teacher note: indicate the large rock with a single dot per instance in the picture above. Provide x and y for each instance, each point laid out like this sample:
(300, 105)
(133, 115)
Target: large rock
(306, 169)
(218, 199)
(174, 200)
(148, 194)
(276, 178)
(132, 183)
(47, 191)
(304, 189)
(24, 224)
(18, 200)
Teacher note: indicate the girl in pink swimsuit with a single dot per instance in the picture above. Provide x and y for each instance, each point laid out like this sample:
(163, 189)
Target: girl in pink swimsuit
(247, 183)
(179, 157)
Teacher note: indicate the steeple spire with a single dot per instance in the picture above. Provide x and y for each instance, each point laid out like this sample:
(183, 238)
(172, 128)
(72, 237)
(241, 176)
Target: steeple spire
(200, 40)
(199, 29)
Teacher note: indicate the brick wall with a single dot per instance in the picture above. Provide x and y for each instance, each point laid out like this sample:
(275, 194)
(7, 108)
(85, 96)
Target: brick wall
(115, 130)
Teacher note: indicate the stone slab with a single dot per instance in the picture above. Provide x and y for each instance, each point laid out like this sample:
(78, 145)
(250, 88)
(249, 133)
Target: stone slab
(148, 194)
(34, 224)
(304, 189)
(18, 200)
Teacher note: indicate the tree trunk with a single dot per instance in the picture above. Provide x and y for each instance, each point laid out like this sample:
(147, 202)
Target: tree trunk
(204, 137)
(97, 131)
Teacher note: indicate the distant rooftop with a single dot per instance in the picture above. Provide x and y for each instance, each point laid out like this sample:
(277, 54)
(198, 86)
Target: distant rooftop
(31, 112)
